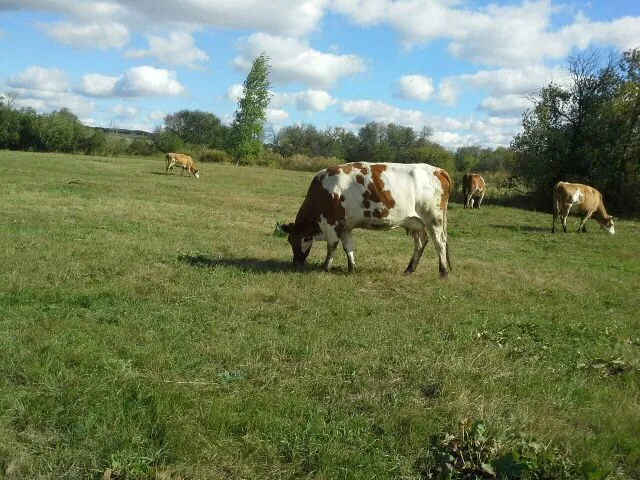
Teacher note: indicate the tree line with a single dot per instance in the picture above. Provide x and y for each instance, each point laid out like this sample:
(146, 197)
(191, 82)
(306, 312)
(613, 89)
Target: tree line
(585, 130)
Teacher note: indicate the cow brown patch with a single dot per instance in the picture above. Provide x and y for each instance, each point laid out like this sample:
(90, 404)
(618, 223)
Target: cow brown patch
(320, 203)
(360, 179)
(445, 181)
(377, 193)
(367, 213)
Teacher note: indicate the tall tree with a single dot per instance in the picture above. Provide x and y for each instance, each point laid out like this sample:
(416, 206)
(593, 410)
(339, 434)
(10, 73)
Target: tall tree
(247, 128)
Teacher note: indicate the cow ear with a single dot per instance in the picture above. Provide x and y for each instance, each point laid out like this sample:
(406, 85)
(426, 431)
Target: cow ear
(288, 227)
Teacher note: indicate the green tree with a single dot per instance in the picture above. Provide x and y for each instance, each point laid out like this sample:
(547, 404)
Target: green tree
(587, 131)
(196, 128)
(247, 128)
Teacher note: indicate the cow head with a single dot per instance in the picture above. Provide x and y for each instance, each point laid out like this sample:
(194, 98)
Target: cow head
(195, 173)
(300, 244)
(608, 225)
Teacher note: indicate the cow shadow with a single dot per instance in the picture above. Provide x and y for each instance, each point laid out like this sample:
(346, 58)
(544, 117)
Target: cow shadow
(522, 228)
(246, 264)
(157, 173)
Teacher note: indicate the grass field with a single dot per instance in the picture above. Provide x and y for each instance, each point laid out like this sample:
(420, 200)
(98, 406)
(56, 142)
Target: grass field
(151, 326)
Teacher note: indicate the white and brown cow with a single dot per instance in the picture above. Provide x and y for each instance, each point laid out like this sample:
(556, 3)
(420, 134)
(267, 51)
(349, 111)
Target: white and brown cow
(373, 196)
(583, 200)
(473, 186)
(183, 161)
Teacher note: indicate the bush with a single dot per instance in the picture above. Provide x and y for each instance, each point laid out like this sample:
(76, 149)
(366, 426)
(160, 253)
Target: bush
(213, 156)
(308, 164)
(140, 146)
(116, 145)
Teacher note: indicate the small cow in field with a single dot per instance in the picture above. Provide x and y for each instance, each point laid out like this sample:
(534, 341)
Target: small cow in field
(581, 199)
(183, 161)
(373, 196)
(473, 186)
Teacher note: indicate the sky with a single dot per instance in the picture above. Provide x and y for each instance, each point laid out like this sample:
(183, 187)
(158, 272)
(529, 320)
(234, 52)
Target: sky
(464, 68)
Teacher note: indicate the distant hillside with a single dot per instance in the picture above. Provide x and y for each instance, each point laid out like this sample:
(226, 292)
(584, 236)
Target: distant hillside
(124, 131)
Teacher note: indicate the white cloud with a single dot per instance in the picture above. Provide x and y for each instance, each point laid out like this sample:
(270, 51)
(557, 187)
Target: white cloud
(282, 17)
(275, 115)
(40, 78)
(123, 111)
(178, 49)
(500, 35)
(293, 60)
(234, 92)
(365, 111)
(157, 115)
(135, 82)
(451, 132)
(92, 35)
(507, 104)
(414, 87)
(506, 84)
(97, 85)
(308, 100)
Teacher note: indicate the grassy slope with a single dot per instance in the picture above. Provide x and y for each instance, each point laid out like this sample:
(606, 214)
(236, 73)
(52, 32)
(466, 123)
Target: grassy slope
(154, 320)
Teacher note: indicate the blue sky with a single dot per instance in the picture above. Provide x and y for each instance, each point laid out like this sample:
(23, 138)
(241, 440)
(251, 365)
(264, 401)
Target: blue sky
(460, 67)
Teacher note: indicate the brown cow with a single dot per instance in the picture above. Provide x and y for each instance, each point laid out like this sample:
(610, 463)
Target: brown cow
(473, 186)
(584, 200)
(373, 196)
(183, 161)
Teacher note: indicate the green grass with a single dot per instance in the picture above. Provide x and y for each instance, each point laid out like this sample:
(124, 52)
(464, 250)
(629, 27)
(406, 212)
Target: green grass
(153, 325)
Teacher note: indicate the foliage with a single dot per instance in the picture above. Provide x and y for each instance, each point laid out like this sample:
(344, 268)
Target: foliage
(587, 131)
(141, 146)
(213, 156)
(197, 128)
(166, 141)
(473, 452)
(95, 144)
(247, 128)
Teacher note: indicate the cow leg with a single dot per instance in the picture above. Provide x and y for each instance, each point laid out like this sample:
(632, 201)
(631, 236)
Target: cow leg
(349, 247)
(585, 217)
(331, 251)
(420, 240)
(439, 237)
(480, 201)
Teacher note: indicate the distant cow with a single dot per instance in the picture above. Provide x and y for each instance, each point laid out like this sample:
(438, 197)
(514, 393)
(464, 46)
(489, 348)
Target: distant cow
(373, 196)
(183, 161)
(473, 186)
(581, 199)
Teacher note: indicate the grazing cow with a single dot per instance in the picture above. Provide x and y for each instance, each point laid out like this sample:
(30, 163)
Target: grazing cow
(473, 186)
(374, 196)
(183, 161)
(584, 200)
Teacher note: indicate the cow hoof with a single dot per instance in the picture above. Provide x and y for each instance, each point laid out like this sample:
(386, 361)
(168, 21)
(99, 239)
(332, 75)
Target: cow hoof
(408, 271)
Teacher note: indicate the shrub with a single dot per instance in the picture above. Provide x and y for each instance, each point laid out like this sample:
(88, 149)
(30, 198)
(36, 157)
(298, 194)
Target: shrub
(308, 164)
(213, 156)
(140, 146)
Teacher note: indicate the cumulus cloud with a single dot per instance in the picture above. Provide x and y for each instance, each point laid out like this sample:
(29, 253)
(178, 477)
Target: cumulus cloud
(276, 115)
(47, 89)
(234, 92)
(414, 87)
(508, 88)
(92, 35)
(293, 60)
(276, 16)
(40, 78)
(497, 35)
(451, 132)
(309, 100)
(123, 111)
(178, 49)
(135, 82)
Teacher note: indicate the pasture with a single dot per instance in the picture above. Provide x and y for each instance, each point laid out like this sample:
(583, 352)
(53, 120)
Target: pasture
(152, 326)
